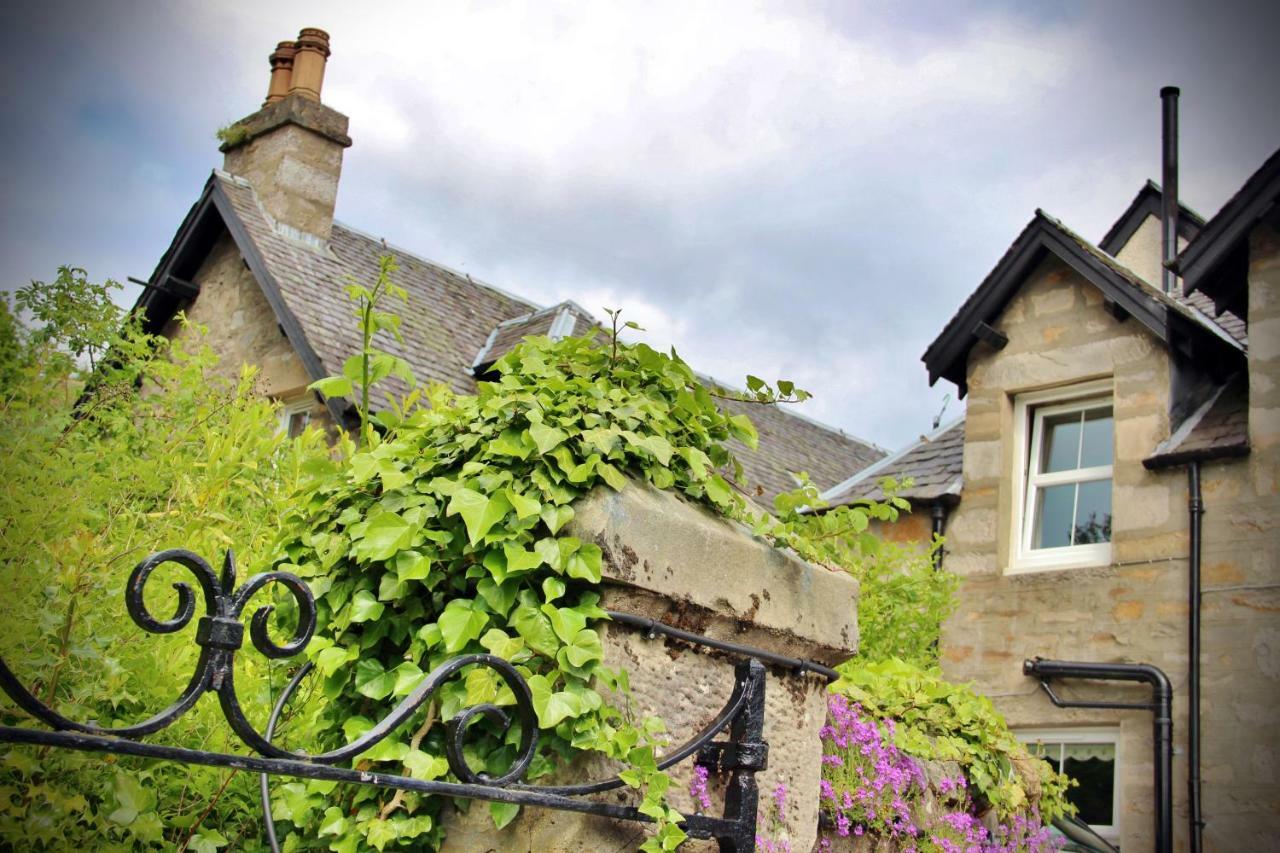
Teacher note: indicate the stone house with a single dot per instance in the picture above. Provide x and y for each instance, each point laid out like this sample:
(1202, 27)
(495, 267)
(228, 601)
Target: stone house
(261, 262)
(1097, 404)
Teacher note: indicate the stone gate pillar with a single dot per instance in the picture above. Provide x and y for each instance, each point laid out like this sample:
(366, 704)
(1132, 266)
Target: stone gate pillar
(679, 563)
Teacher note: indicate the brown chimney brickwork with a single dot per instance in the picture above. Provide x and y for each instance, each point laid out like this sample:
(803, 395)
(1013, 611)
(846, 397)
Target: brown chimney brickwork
(291, 149)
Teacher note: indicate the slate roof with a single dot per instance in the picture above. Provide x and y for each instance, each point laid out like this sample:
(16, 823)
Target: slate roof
(446, 322)
(934, 463)
(451, 326)
(1216, 262)
(790, 443)
(1218, 429)
(947, 356)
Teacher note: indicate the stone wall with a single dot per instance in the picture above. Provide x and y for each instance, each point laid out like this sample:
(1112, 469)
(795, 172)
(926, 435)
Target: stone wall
(1241, 613)
(242, 328)
(1135, 609)
(680, 564)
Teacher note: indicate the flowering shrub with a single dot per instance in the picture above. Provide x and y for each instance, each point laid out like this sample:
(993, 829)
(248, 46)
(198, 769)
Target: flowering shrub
(872, 787)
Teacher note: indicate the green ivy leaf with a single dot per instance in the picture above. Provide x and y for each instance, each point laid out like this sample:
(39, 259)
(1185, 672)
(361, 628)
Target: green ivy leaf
(545, 438)
(366, 608)
(478, 512)
(372, 680)
(385, 534)
(460, 623)
(503, 813)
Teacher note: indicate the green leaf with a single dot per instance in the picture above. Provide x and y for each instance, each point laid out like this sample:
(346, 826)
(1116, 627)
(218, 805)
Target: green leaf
(131, 798)
(550, 706)
(478, 512)
(566, 621)
(546, 438)
(334, 822)
(586, 564)
(372, 680)
(385, 535)
(460, 623)
(412, 566)
(582, 650)
(422, 765)
(332, 387)
(524, 505)
(556, 517)
(503, 813)
(535, 629)
(500, 643)
(329, 660)
(366, 608)
(519, 560)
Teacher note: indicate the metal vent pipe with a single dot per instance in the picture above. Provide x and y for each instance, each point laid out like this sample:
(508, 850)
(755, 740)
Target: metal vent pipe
(1161, 706)
(1169, 188)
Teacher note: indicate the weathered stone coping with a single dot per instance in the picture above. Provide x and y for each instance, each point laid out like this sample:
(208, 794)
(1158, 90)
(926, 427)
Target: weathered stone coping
(669, 559)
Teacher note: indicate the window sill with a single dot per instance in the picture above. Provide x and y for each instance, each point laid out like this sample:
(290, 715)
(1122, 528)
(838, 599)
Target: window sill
(1056, 559)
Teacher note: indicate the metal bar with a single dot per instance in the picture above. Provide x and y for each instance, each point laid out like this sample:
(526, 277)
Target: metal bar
(742, 796)
(653, 627)
(699, 826)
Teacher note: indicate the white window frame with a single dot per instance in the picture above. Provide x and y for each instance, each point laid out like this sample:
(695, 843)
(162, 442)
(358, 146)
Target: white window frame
(289, 408)
(1096, 734)
(1029, 412)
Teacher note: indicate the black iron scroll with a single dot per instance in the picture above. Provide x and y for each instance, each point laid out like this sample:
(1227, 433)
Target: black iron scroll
(220, 634)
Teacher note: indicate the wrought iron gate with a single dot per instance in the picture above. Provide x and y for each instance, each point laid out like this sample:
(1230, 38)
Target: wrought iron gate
(220, 634)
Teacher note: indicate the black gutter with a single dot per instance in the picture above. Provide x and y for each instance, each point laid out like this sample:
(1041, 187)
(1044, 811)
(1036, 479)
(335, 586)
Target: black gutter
(1161, 706)
(1195, 509)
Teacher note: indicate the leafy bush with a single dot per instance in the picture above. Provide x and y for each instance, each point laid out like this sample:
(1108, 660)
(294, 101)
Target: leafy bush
(933, 719)
(94, 480)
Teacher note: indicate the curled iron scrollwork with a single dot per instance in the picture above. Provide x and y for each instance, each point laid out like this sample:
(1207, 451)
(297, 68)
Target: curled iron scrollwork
(220, 634)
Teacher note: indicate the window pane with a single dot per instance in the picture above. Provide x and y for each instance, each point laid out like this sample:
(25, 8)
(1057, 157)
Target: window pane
(1093, 765)
(1093, 512)
(1053, 516)
(298, 423)
(1061, 442)
(1095, 449)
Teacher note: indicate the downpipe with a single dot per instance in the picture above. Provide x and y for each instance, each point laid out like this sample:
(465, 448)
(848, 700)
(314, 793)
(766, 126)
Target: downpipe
(1195, 510)
(1161, 706)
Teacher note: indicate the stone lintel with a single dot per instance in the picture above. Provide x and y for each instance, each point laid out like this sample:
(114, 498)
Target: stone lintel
(671, 560)
(293, 109)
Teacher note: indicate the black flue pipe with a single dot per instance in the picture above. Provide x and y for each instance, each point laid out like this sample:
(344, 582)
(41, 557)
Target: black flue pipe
(1169, 191)
(1195, 509)
(939, 524)
(1161, 706)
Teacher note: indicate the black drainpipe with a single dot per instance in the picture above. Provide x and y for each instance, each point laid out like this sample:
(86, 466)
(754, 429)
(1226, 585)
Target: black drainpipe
(939, 512)
(1195, 508)
(1161, 706)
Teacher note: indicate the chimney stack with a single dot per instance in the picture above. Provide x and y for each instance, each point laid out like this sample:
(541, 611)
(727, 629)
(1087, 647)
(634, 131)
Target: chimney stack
(308, 63)
(290, 150)
(281, 71)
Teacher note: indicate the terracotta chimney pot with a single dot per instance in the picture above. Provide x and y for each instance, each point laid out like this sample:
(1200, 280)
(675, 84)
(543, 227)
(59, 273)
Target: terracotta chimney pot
(309, 62)
(281, 72)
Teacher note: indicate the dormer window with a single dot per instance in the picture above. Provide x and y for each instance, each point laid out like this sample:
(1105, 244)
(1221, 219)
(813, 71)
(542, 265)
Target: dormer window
(1063, 502)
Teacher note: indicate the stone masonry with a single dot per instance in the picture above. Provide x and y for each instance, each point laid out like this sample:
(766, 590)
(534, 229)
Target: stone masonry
(1135, 609)
(678, 563)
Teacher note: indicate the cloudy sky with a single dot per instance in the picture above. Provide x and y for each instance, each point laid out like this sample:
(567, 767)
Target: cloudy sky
(797, 190)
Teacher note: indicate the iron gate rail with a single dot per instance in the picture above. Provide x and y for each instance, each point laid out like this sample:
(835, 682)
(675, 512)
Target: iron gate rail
(220, 634)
